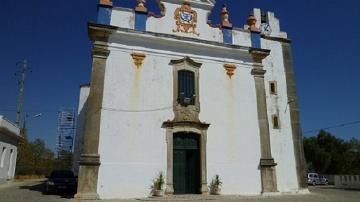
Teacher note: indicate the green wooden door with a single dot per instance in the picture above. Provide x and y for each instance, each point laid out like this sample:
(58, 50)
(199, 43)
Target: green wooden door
(179, 171)
(186, 164)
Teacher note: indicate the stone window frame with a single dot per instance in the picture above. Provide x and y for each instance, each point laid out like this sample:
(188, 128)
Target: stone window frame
(190, 65)
(273, 84)
(275, 121)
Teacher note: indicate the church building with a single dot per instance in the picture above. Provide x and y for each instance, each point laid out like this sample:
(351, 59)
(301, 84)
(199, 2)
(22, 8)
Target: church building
(174, 93)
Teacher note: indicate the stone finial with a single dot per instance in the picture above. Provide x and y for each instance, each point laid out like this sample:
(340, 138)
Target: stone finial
(252, 23)
(225, 17)
(141, 7)
(106, 2)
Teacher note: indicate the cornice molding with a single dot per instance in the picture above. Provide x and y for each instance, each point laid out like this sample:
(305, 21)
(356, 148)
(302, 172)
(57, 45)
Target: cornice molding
(10, 134)
(198, 125)
(260, 72)
(283, 40)
(204, 4)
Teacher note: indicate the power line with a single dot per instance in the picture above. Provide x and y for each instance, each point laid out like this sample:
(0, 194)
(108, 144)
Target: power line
(104, 108)
(29, 111)
(334, 126)
(137, 111)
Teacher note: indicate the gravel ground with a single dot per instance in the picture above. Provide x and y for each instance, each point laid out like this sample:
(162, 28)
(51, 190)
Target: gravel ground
(32, 191)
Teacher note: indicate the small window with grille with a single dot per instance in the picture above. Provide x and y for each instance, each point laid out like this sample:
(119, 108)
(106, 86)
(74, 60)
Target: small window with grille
(186, 87)
(273, 88)
(276, 121)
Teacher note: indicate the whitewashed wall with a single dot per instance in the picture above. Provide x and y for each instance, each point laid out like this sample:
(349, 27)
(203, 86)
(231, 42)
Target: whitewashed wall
(7, 159)
(138, 100)
(8, 150)
(133, 143)
(282, 146)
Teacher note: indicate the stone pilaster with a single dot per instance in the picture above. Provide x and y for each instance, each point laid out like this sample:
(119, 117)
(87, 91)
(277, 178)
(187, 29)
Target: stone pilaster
(203, 139)
(169, 173)
(90, 159)
(267, 163)
(294, 116)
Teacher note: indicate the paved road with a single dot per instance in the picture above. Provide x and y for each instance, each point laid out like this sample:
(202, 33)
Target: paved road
(28, 191)
(31, 191)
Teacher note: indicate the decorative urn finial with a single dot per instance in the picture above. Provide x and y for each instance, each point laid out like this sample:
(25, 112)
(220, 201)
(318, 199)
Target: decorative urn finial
(252, 23)
(141, 6)
(225, 17)
(106, 2)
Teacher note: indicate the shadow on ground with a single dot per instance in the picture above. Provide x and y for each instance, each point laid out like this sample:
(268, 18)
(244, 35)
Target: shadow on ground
(40, 187)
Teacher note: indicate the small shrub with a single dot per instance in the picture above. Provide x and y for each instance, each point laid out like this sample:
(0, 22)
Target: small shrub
(159, 182)
(215, 185)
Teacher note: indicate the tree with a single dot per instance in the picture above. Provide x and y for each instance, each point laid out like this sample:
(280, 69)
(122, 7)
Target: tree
(65, 160)
(33, 157)
(43, 158)
(330, 155)
(25, 158)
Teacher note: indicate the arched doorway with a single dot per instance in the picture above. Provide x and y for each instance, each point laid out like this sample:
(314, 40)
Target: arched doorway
(186, 163)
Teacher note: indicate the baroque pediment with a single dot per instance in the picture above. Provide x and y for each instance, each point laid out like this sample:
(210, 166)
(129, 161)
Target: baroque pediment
(206, 4)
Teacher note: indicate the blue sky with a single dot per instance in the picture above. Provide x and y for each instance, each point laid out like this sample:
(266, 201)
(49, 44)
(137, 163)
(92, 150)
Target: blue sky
(52, 36)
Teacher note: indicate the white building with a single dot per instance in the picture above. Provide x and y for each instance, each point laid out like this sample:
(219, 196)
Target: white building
(9, 140)
(173, 93)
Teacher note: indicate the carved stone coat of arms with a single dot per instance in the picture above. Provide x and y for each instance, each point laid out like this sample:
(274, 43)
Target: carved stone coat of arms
(186, 19)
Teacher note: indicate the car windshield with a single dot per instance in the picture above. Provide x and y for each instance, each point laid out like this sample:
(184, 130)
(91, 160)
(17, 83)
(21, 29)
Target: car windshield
(62, 174)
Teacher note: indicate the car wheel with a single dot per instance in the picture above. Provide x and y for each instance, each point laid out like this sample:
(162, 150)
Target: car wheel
(47, 190)
(313, 183)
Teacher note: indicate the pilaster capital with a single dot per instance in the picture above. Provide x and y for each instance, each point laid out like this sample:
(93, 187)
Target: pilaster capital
(267, 162)
(100, 52)
(100, 32)
(259, 54)
(258, 72)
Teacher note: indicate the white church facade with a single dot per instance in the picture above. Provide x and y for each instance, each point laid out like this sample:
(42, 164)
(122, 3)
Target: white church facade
(173, 93)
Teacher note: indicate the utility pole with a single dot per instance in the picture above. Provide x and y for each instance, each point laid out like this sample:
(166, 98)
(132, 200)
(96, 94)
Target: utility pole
(22, 72)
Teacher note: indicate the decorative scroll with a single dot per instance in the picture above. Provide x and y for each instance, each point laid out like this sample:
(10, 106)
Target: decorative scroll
(186, 19)
(138, 59)
(229, 69)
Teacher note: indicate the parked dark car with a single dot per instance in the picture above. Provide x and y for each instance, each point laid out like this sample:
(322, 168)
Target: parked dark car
(61, 180)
